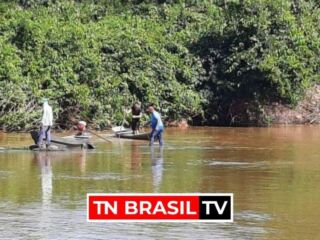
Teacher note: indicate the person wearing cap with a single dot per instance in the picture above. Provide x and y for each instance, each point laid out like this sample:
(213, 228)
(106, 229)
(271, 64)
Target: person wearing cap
(46, 124)
(156, 125)
(81, 127)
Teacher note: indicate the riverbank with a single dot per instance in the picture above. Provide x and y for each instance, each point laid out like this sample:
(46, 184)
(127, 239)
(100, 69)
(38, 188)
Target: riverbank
(306, 111)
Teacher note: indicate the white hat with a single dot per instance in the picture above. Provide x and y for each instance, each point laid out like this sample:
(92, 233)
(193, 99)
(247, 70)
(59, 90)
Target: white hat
(83, 123)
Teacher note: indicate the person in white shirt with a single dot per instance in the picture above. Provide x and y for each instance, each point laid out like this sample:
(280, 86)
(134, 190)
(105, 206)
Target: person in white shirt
(46, 124)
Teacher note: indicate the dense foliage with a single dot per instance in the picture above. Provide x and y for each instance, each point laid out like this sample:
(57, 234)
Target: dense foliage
(191, 58)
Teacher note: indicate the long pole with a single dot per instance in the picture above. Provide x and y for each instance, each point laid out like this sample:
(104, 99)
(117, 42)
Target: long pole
(99, 136)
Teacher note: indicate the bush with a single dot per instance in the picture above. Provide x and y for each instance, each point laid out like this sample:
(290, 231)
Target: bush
(192, 58)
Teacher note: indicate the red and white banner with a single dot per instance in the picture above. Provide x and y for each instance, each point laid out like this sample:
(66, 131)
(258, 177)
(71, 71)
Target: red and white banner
(137, 207)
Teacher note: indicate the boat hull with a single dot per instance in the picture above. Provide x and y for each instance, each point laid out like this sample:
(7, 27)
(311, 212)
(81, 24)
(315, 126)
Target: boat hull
(52, 148)
(67, 143)
(130, 135)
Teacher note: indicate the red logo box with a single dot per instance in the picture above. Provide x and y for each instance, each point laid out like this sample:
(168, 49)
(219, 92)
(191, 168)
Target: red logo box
(162, 207)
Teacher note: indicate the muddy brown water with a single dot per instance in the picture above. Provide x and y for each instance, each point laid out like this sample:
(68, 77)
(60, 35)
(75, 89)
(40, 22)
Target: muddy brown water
(274, 174)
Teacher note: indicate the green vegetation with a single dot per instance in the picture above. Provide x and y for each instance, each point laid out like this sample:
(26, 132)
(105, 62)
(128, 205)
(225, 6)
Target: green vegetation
(192, 58)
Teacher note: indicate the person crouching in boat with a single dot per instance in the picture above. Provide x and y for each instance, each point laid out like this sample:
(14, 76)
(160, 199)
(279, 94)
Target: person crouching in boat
(81, 127)
(46, 124)
(136, 115)
(156, 125)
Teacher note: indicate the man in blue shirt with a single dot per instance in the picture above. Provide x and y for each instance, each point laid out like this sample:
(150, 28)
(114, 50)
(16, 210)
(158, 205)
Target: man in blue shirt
(156, 125)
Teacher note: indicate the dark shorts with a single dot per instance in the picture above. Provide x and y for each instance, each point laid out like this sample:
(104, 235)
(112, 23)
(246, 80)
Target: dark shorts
(135, 124)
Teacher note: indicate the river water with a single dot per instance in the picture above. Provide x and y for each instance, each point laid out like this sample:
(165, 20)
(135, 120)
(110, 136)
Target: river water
(274, 174)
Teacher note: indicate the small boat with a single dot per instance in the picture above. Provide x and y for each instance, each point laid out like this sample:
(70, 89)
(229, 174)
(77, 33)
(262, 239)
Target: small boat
(34, 147)
(85, 136)
(72, 143)
(52, 148)
(122, 132)
(65, 142)
(119, 129)
(130, 135)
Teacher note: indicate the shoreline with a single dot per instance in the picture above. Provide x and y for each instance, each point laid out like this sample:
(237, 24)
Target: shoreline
(274, 125)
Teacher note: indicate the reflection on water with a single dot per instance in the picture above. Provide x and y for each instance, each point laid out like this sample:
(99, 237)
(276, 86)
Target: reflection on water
(135, 156)
(157, 167)
(274, 174)
(43, 159)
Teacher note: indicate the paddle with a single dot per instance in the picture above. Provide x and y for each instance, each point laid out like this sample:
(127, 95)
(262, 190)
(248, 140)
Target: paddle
(125, 111)
(99, 136)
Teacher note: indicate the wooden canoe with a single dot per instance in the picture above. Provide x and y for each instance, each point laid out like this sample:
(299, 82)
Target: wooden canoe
(52, 148)
(130, 135)
(33, 148)
(72, 143)
(82, 136)
(86, 136)
(68, 143)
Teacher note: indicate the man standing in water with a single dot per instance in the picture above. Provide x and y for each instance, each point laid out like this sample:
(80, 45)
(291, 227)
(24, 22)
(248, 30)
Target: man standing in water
(136, 115)
(156, 125)
(46, 124)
